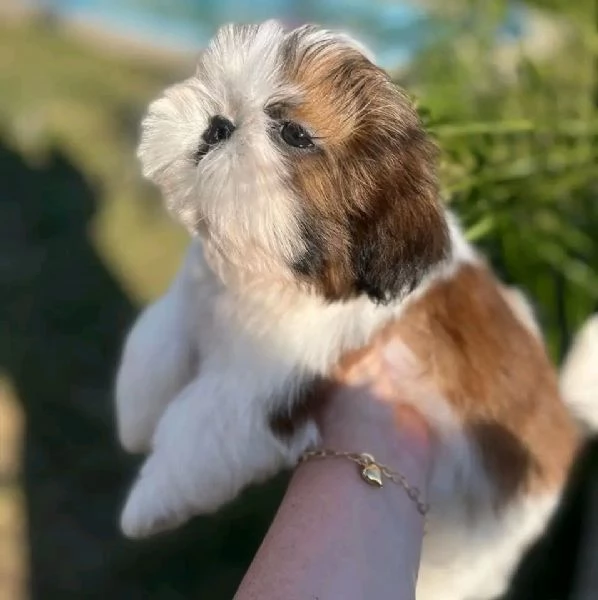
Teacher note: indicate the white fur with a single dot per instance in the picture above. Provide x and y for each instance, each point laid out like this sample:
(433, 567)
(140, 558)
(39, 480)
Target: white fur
(236, 77)
(579, 377)
(473, 556)
(160, 355)
(318, 35)
(235, 337)
(522, 308)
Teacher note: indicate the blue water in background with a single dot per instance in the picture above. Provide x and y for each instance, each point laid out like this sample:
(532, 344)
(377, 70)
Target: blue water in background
(393, 30)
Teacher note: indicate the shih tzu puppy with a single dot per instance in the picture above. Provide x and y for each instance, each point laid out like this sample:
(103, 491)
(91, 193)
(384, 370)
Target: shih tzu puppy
(309, 187)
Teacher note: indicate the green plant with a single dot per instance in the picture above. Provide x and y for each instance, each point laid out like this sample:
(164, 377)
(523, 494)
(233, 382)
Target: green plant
(518, 131)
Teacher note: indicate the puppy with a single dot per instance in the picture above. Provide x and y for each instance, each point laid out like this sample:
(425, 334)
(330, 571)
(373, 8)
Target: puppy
(309, 187)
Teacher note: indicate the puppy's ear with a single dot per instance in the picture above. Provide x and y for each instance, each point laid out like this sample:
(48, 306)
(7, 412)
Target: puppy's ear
(402, 232)
(170, 136)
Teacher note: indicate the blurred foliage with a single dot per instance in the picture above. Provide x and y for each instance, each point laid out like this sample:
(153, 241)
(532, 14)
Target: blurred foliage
(58, 92)
(517, 125)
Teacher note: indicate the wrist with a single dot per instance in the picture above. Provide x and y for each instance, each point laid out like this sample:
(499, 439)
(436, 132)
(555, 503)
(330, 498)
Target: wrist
(354, 420)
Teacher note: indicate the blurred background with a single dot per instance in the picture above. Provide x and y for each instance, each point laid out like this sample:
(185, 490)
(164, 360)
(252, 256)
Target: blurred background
(510, 90)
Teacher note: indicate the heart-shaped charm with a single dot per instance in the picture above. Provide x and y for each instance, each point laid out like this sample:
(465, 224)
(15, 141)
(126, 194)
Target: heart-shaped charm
(372, 474)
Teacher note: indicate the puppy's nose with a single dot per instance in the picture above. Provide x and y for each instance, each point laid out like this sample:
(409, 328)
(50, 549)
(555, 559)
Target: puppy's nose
(219, 129)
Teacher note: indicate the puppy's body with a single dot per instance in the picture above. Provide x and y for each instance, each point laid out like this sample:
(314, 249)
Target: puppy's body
(312, 237)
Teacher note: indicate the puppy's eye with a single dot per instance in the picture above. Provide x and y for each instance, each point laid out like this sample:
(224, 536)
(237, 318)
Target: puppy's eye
(294, 135)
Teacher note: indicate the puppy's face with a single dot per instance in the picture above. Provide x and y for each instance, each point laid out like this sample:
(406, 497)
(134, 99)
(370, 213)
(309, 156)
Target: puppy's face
(291, 153)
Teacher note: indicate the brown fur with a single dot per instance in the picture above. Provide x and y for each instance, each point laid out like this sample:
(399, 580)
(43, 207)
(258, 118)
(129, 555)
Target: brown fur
(496, 376)
(372, 220)
(492, 371)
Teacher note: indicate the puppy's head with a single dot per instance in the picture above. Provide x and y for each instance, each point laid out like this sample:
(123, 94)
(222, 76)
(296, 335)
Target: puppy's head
(291, 153)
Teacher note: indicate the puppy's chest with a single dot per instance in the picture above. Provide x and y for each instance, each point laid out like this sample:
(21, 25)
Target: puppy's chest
(282, 329)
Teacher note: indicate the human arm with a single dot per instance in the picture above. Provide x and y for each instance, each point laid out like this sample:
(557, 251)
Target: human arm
(335, 537)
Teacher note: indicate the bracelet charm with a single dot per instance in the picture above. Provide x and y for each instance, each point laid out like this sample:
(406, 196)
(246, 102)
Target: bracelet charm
(373, 473)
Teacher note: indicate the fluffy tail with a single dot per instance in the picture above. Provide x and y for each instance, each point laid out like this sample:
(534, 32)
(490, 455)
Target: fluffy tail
(579, 375)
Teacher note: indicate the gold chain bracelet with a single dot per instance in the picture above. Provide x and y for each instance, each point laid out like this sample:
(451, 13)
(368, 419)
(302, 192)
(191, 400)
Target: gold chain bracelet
(372, 472)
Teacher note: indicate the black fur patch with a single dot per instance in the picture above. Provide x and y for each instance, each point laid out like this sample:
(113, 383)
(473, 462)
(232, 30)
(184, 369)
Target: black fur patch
(286, 421)
(312, 261)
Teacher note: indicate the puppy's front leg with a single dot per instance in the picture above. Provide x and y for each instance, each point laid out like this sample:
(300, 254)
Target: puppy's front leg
(212, 441)
(158, 359)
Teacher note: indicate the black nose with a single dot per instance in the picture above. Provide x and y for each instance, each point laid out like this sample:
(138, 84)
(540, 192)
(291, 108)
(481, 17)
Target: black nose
(219, 129)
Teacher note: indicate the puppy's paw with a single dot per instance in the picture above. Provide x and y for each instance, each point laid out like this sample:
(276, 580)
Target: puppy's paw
(132, 438)
(154, 505)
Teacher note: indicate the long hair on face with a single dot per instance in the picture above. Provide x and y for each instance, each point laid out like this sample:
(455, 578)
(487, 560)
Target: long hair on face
(298, 156)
